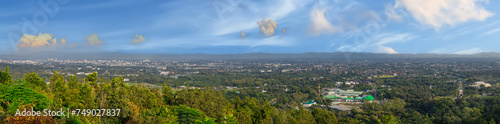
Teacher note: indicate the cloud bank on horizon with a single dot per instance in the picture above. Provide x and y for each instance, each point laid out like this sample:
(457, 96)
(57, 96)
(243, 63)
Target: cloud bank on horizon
(283, 26)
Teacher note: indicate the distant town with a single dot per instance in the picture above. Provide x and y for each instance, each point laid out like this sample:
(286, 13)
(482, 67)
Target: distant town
(344, 84)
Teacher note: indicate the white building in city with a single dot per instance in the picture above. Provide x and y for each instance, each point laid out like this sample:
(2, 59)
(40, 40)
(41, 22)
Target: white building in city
(479, 83)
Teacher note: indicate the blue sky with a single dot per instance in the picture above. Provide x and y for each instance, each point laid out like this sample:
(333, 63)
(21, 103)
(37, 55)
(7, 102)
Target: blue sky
(216, 26)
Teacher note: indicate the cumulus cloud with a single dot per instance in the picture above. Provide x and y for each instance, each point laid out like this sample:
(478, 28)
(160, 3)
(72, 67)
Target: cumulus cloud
(243, 35)
(63, 41)
(54, 42)
(237, 15)
(437, 13)
(138, 39)
(42, 40)
(93, 40)
(32, 41)
(319, 23)
(388, 50)
(267, 26)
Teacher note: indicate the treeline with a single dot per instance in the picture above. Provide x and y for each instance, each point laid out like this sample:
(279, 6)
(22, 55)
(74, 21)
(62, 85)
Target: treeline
(138, 103)
(434, 100)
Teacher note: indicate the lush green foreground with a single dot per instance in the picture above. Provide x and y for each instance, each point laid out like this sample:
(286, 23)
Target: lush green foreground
(145, 104)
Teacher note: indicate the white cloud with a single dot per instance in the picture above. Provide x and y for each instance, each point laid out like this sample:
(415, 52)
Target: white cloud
(138, 39)
(377, 43)
(469, 51)
(286, 7)
(465, 31)
(93, 40)
(391, 12)
(490, 32)
(451, 50)
(388, 50)
(243, 17)
(44, 41)
(267, 26)
(437, 13)
(320, 24)
(33, 41)
(392, 38)
(63, 41)
(243, 35)
(438, 51)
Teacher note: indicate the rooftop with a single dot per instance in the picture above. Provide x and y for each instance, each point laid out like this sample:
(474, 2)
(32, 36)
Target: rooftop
(310, 102)
(330, 97)
(369, 97)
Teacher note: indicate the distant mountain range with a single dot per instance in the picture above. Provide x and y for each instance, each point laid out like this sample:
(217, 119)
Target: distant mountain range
(335, 55)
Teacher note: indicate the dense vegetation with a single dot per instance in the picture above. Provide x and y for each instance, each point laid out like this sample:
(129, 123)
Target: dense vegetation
(409, 101)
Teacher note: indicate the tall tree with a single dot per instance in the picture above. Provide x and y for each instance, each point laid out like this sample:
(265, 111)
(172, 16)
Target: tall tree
(35, 82)
(302, 116)
(5, 77)
(324, 117)
(58, 88)
(168, 95)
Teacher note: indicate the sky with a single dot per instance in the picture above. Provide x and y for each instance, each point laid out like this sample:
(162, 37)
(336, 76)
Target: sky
(250, 26)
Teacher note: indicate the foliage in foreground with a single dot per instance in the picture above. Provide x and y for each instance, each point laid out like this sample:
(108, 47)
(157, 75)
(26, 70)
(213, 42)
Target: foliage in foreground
(144, 104)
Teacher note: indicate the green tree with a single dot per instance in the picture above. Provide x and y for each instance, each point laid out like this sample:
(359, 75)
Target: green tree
(187, 115)
(324, 117)
(58, 88)
(302, 116)
(20, 94)
(389, 119)
(229, 119)
(168, 95)
(5, 77)
(417, 118)
(73, 83)
(492, 121)
(92, 79)
(34, 81)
